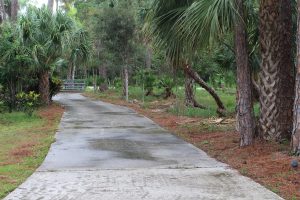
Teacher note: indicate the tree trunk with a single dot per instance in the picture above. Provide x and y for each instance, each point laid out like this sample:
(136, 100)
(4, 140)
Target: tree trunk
(190, 100)
(2, 12)
(14, 10)
(44, 87)
(148, 57)
(57, 5)
(221, 108)
(125, 83)
(245, 113)
(50, 5)
(296, 127)
(73, 71)
(70, 71)
(286, 73)
(270, 35)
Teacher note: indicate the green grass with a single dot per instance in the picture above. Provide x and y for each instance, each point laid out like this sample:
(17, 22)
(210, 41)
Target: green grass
(24, 143)
(228, 97)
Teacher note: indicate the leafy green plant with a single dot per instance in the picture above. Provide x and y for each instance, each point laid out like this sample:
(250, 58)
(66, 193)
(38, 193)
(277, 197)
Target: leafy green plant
(167, 83)
(27, 102)
(55, 86)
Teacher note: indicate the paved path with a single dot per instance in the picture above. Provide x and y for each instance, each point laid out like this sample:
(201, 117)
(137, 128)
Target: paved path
(108, 152)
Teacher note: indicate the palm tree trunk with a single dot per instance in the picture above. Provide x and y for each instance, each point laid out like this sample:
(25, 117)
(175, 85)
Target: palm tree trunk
(286, 73)
(14, 10)
(44, 87)
(270, 30)
(190, 100)
(245, 114)
(125, 83)
(2, 12)
(296, 127)
(193, 74)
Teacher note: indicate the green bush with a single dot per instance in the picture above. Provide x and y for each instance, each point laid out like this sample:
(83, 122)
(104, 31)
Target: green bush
(167, 83)
(27, 102)
(55, 86)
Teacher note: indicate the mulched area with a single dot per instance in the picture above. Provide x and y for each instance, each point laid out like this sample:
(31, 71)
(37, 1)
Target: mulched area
(266, 163)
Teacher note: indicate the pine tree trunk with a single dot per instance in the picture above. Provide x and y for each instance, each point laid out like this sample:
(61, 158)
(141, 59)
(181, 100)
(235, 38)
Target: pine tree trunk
(125, 83)
(221, 108)
(2, 12)
(245, 113)
(296, 127)
(14, 10)
(270, 35)
(286, 73)
(190, 100)
(44, 87)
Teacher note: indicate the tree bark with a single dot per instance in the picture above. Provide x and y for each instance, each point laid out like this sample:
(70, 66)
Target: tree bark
(221, 108)
(2, 12)
(44, 87)
(296, 125)
(245, 113)
(14, 10)
(286, 72)
(57, 5)
(50, 5)
(125, 83)
(70, 71)
(270, 35)
(190, 100)
(148, 56)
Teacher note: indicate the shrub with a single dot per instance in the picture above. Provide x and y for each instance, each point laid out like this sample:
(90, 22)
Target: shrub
(167, 84)
(27, 102)
(55, 86)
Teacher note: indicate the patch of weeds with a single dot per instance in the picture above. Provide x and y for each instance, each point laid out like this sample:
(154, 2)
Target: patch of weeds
(244, 171)
(205, 142)
(274, 189)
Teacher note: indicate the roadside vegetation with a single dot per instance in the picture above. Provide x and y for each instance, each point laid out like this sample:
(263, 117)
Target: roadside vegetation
(24, 143)
(224, 73)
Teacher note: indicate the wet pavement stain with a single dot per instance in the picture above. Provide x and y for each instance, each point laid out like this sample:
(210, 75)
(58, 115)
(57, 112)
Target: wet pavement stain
(128, 149)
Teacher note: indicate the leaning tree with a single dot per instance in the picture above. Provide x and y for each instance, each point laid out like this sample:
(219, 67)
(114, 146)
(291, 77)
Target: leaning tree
(164, 21)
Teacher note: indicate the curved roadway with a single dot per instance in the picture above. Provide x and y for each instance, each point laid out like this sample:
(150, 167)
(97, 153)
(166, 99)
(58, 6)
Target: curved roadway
(108, 152)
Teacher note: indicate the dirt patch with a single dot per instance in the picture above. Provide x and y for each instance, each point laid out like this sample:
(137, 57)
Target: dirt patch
(266, 163)
(51, 113)
(23, 150)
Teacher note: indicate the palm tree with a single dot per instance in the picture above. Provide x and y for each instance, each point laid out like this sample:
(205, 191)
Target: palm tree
(46, 35)
(276, 80)
(202, 22)
(78, 51)
(162, 26)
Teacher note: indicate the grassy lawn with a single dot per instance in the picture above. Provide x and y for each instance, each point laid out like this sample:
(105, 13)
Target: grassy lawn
(178, 107)
(24, 143)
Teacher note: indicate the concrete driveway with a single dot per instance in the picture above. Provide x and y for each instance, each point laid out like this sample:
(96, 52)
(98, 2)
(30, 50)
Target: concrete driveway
(108, 152)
